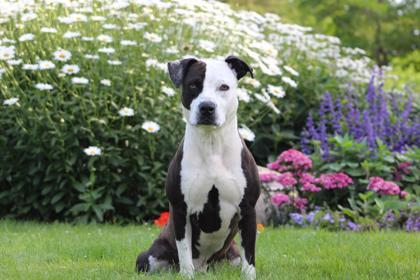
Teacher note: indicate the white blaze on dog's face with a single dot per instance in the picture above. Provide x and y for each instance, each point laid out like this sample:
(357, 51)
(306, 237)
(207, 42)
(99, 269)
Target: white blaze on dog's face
(209, 95)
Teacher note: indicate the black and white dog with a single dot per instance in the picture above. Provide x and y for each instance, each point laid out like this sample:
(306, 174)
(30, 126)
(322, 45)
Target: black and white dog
(212, 182)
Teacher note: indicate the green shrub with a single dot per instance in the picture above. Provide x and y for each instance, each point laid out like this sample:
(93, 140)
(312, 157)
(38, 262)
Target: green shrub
(118, 53)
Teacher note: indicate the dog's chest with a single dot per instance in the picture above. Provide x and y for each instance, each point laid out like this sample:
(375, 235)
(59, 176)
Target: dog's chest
(215, 179)
(213, 187)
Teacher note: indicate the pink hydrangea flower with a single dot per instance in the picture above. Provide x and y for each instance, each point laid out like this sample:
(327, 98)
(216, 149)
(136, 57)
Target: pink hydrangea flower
(307, 180)
(300, 203)
(308, 187)
(273, 165)
(403, 194)
(286, 179)
(298, 160)
(383, 187)
(278, 199)
(334, 180)
(402, 168)
(266, 177)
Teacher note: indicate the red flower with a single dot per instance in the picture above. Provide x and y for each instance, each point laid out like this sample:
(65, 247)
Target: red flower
(163, 219)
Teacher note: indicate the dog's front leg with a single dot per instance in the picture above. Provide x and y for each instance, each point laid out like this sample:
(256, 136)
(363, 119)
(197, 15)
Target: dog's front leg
(183, 240)
(248, 232)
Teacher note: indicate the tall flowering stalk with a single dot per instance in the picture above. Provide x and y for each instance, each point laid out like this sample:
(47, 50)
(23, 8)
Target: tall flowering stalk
(381, 116)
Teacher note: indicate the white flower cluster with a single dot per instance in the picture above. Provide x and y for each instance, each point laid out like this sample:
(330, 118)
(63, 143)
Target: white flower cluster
(159, 31)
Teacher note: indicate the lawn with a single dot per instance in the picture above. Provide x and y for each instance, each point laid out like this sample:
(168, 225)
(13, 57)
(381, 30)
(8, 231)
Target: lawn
(31, 250)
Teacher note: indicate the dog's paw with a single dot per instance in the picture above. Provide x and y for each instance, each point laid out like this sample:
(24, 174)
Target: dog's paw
(235, 262)
(187, 271)
(248, 272)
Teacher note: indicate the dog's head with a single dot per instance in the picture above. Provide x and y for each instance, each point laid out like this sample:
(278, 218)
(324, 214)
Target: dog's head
(209, 94)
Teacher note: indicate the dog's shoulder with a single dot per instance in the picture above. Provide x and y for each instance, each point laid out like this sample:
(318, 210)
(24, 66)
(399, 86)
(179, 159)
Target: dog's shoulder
(173, 179)
(249, 167)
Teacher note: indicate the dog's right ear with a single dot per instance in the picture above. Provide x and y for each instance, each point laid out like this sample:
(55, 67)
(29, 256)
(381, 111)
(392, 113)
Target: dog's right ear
(178, 68)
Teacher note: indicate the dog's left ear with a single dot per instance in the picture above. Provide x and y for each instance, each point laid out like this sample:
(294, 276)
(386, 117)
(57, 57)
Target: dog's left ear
(177, 69)
(239, 66)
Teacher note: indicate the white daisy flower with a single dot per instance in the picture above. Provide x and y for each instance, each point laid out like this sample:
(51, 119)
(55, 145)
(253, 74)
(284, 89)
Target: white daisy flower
(11, 101)
(105, 82)
(291, 70)
(243, 95)
(126, 112)
(110, 26)
(62, 55)
(106, 50)
(104, 38)
(253, 82)
(92, 56)
(79, 81)
(172, 50)
(152, 37)
(265, 98)
(48, 30)
(78, 17)
(6, 40)
(276, 91)
(150, 126)
(30, 67)
(168, 91)
(207, 45)
(28, 16)
(114, 62)
(45, 65)
(7, 53)
(70, 35)
(93, 151)
(151, 62)
(289, 81)
(98, 18)
(70, 69)
(14, 61)
(246, 133)
(42, 86)
(128, 43)
(26, 37)
(66, 20)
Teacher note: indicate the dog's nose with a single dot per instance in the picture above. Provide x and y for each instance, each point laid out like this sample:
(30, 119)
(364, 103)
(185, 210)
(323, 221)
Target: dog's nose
(207, 108)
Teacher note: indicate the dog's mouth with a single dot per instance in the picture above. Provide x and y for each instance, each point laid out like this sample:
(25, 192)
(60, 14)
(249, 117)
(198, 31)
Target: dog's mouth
(207, 121)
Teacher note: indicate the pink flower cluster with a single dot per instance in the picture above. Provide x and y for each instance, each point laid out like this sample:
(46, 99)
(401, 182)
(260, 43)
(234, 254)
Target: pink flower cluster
(266, 177)
(307, 181)
(383, 187)
(279, 199)
(402, 169)
(285, 179)
(296, 159)
(332, 181)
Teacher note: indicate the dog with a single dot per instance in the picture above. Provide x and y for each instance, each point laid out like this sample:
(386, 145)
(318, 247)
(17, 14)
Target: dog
(212, 182)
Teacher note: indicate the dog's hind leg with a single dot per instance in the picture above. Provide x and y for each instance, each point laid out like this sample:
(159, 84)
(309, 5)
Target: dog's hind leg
(232, 254)
(160, 256)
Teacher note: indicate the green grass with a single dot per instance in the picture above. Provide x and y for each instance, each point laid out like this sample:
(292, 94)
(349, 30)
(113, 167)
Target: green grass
(60, 251)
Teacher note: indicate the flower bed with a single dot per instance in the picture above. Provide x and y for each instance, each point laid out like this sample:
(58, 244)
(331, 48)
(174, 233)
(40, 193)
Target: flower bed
(88, 115)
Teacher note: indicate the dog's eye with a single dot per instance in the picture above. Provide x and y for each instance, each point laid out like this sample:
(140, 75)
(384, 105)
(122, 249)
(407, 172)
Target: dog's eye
(192, 86)
(224, 87)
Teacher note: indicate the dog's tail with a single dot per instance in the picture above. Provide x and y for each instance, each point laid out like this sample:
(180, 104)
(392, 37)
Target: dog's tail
(142, 262)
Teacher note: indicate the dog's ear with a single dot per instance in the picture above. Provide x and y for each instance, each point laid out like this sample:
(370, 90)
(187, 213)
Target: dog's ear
(239, 66)
(178, 68)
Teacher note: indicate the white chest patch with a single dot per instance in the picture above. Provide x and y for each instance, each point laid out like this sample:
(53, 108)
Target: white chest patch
(212, 165)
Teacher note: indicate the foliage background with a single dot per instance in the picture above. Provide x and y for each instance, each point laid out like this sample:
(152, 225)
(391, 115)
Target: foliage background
(44, 173)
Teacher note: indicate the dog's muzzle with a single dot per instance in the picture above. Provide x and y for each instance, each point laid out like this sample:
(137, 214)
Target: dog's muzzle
(206, 113)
